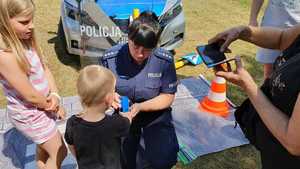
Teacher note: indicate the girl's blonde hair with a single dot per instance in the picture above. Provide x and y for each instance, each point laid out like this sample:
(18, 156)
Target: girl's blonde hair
(9, 38)
(94, 83)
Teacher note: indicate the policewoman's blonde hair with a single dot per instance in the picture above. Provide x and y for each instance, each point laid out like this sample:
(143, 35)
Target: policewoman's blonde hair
(9, 40)
(94, 83)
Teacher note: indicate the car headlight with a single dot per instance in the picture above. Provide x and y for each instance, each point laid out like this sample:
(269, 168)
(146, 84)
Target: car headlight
(71, 11)
(171, 14)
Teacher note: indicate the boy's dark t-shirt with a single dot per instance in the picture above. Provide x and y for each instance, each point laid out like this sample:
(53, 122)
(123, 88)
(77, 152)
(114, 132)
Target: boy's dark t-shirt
(97, 144)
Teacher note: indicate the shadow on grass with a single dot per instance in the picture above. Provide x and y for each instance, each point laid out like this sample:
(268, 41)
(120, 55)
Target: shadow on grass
(61, 51)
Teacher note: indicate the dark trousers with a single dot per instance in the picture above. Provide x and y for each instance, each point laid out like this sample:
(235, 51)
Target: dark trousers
(160, 145)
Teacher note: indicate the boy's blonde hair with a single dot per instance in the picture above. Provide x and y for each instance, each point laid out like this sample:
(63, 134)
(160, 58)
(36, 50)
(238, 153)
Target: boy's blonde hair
(94, 83)
(9, 38)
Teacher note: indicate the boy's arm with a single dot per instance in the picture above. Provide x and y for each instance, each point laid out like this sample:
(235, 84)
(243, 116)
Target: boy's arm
(255, 8)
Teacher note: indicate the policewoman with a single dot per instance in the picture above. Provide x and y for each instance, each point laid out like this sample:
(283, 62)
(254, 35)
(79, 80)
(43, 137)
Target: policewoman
(146, 74)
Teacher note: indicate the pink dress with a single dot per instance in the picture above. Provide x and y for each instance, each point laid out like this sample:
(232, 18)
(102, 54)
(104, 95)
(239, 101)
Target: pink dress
(39, 126)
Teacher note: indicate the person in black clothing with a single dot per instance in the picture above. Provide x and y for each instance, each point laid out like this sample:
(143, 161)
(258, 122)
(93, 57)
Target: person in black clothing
(93, 137)
(277, 104)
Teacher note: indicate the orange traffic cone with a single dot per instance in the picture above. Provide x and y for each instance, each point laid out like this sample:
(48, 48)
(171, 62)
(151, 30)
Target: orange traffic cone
(215, 102)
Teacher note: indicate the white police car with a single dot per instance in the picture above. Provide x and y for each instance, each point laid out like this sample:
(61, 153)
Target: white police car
(92, 26)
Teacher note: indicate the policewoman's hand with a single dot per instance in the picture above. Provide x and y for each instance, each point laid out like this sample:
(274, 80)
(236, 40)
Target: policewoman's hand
(135, 109)
(240, 76)
(117, 101)
(127, 115)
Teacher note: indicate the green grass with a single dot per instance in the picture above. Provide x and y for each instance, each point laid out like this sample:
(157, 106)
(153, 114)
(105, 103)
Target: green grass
(204, 19)
(245, 3)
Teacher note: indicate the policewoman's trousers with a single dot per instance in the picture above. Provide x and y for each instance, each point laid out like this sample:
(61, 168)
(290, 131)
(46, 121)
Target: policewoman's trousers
(159, 149)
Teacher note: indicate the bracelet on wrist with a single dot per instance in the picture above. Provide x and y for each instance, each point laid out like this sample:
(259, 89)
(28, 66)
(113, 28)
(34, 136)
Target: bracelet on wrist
(56, 95)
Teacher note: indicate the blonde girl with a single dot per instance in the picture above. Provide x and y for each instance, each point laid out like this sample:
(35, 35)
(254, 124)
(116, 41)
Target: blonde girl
(32, 99)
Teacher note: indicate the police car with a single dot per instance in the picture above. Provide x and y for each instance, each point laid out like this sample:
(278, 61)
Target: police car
(92, 26)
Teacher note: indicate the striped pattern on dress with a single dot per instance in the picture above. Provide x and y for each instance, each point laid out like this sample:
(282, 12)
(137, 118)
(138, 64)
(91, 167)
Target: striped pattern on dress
(37, 125)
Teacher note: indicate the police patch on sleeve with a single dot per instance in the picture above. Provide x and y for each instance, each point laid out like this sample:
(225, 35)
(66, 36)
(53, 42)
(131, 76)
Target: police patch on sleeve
(163, 54)
(172, 85)
(112, 52)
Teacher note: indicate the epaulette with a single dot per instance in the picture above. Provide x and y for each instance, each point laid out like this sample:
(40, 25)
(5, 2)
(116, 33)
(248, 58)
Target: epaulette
(163, 54)
(112, 52)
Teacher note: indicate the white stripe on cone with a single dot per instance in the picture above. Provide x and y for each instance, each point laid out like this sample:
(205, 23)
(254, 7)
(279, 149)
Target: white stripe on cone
(216, 97)
(219, 80)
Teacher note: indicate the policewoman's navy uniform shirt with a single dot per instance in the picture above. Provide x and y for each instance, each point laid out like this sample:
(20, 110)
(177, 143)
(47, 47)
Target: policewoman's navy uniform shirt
(142, 82)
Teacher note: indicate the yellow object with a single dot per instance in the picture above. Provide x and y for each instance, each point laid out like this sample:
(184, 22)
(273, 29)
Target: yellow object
(136, 13)
(179, 64)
